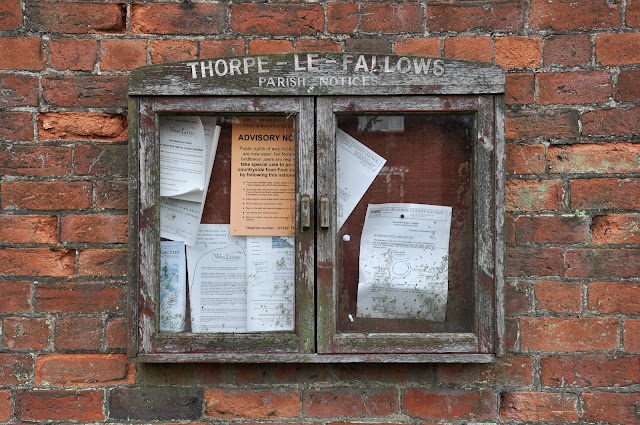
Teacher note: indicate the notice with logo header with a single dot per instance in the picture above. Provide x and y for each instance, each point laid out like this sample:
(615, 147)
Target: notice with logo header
(182, 155)
(263, 176)
(217, 267)
(404, 262)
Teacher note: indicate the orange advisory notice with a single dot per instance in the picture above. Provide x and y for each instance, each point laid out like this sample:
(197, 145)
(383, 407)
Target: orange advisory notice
(263, 176)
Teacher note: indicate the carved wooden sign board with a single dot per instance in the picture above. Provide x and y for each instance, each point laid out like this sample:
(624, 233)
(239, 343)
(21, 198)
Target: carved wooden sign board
(318, 74)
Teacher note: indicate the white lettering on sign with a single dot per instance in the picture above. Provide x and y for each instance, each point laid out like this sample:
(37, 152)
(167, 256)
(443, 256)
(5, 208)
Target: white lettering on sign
(313, 63)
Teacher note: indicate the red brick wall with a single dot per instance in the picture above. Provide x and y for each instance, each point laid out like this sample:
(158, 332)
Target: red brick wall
(573, 226)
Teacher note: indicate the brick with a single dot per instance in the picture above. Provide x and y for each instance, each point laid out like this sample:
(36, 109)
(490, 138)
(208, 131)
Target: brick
(172, 50)
(94, 228)
(350, 402)
(37, 262)
(539, 261)
(468, 48)
(514, 371)
(568, 334)
(509, 229)
(18, 90)
(188, 375)
(5, 396)
(589, 371)
(595, 158)
(600, 193)
(533, 195)
(22, 160)
(616, 122)
(517, 52)
(270, 46)
(16, 369)
(376, 45)
(82, 126)
(519, 88)
(92, 91)
(168, 404)
(457, 16)
(525, 158)
(21, 53)
(616, 229)
(15, 296)
(178, 18)
(603, 263)
(418, 46)
(614, 297)
(532, 406)
(59, 405)
(60, 195)
(10, 15)
(116, 334)
(628, 86)
(26, 333)
(567, 15)
(101, 160)
(633, 13)
(102, 262)
(567, 50)
(449, 404)
(631, 335)
(79, 298)
(228, 403)
(618, 49)
(612, 408)
(559, 297)
(122, 54)
(219, 48)
(112, 194)
(374, 17)
(81, 369)
(277, 18)
(573, 87)
(318, 46)
(16, 126)
(547, 124)
(28, 229)
(553, 229)
(518, 297)
(79, 17)
(78, 333)
(74, 54)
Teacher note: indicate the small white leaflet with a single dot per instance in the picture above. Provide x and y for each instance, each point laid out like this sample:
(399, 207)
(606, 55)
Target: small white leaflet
(173, 287)
(357, 167)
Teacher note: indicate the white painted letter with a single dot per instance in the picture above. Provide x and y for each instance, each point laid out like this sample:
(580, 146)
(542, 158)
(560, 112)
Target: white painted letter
(193, 65)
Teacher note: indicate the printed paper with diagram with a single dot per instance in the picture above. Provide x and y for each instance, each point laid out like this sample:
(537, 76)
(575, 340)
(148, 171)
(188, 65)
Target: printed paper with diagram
(404, 262)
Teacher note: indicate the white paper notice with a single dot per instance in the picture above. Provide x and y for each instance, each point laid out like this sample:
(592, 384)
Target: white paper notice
(357, 167)
(179, 218)
(173, 287)
(270, 278)
(211, 136)
(404, 262)
(182, 155)
(217, 281)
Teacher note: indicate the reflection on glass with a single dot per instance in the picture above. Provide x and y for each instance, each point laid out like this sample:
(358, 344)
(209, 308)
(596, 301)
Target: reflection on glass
(227, 195)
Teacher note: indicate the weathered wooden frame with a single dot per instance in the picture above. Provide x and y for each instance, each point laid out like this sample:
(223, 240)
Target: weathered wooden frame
(192, 87)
